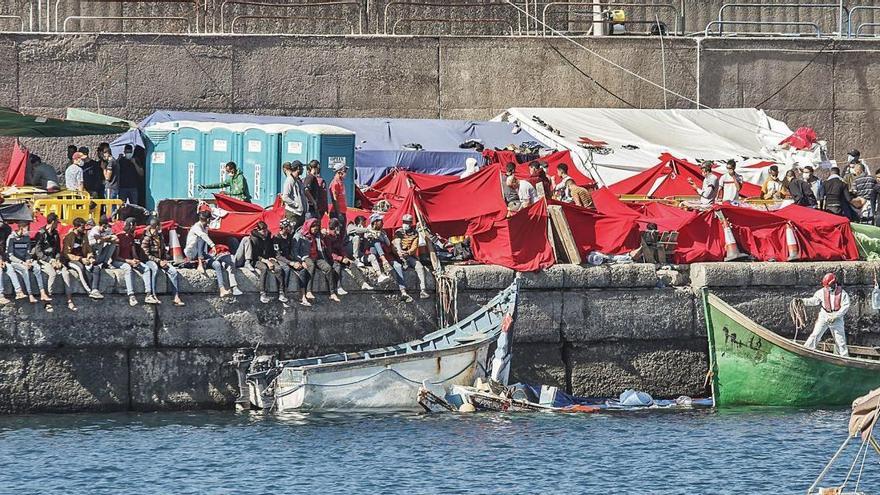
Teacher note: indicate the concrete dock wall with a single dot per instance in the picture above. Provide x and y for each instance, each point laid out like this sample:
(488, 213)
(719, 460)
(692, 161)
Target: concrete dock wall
(591, 330)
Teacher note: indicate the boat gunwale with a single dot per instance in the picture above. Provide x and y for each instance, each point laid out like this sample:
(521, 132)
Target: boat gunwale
(786, 344)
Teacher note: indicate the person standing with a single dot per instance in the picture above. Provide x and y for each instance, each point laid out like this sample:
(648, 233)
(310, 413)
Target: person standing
(293, 194)
(110, 169)
(131, 176)
(73, 176)
(834, 304)
(560, 189)
(339, 206)
(537, 177)
(199, 247)
(853, 171)
(709, 190)
(772, 187)
(801, 191)
(20, 264)
(93, 176)
(731, 184)
(235, 184)
(316, 190)
(76, 255)
(837, 196)
(809, 175)
(153, 247)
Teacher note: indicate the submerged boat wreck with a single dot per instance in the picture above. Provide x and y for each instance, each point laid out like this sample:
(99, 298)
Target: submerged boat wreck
(389, 377)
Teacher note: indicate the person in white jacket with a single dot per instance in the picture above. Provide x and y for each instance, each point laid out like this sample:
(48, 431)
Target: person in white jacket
(834, 304)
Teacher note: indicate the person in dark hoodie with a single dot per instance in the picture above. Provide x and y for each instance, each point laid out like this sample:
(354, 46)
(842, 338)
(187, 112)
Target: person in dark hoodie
(93, 175)
(295, 275)
(310, 247)
(263, 258)
(800, 191)
(837, 195)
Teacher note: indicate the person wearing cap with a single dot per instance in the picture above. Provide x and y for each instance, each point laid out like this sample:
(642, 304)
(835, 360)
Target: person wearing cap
(20, 263)
(73, 176)
(852, 170)
(199, 247)
(339, 207)
(377, 247)
(126, 260)
(295, 275)
(293, 194)
(235, 184)
(408, 244)
(102, 240)
(47, 252)
(316, 190)
(833, 304)
(337, 248)
(77, 255)
(153, 247)
(42, 175)
(131, 176)
(311, 248)
(93, 176)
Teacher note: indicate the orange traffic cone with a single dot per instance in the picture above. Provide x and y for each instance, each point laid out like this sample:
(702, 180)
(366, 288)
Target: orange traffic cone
(732, 252)
(794, 251)
(174, 244)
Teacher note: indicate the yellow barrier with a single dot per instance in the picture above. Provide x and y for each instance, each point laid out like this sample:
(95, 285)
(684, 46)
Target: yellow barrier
(68, 209)
(30, 193)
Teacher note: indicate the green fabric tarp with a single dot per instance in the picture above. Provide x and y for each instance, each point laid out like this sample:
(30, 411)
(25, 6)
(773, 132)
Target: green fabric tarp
(80, 115)
(868, 239)
(16, 124)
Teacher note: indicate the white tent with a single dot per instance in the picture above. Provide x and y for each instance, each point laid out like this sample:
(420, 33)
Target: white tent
(635, 138)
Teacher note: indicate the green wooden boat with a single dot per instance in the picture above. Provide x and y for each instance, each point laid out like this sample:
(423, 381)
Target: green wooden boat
(750, 365)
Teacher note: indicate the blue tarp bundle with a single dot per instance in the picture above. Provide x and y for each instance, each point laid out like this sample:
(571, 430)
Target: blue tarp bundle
(380, 142)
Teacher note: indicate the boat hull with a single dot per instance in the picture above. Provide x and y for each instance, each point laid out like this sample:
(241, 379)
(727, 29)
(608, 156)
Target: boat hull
(391, 384)
(751, 365)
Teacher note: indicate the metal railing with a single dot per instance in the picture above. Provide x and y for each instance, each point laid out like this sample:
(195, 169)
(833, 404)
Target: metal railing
(11, 17)
(852, 12)
(762, 23)
(842, 14)
(356, 27)
(509, 24)
(450, 19)
(196, 4)
(679, 24)
(123, 18)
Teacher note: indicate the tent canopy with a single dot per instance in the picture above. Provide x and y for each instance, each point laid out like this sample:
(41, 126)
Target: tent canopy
(670, 178)
(380, 141)
(636, 137)
(16, 124)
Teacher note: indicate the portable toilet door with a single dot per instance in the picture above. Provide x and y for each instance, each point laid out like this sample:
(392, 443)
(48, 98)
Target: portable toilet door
(335, 149)
(160, 164)
(260, 155)
(188, 157)
(221, 147)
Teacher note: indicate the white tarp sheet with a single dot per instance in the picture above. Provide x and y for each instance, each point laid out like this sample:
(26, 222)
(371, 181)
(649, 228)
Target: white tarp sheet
(637, 137)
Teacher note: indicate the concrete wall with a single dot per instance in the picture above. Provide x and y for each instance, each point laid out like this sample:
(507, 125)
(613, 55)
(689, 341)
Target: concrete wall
(591, 330)
(828, 85)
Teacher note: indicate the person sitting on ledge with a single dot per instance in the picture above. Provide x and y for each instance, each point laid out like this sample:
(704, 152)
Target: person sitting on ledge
(47, 252)
(76, 255)
(263, 260)
(407, 245)
(295, 275)
(377, 248)
(128, 263)
(153, 246)
(199, 248)
(338, 250)
(20, 264)
(311, 249)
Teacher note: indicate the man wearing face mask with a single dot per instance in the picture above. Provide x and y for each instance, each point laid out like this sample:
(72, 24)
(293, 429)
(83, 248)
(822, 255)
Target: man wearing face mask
(855, 168)
(837, 195)
(814, 182)
(800, 190)
(131, 175)
(834, 304)
(73, 176)
(408, 244)
(93, 176)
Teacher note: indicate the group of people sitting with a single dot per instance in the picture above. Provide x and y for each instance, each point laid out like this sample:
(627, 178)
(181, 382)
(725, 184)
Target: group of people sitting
(519, 194)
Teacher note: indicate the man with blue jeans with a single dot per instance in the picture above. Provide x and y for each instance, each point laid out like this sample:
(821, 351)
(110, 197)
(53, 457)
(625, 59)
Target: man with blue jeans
(127, 261)
(154, 249)
(407, 243)
(198, 246)
(21, 264)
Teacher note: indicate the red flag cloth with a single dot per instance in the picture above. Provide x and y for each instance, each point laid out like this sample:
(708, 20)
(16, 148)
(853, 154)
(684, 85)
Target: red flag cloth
(700, 239)
(396, 185)
(607, 203)
(670, 178)
(803, 139)
(229, 203)
(594, 231)
(15, 173)
(519, 242)
(821, 236)
(553, 161)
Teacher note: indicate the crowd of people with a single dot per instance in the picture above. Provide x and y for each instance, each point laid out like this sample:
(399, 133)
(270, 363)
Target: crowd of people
(522, 193)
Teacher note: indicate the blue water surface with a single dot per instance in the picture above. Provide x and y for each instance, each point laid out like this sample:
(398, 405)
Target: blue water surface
(692, 452)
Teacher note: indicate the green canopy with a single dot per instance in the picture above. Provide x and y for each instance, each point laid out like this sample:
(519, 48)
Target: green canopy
(16, 124)
(868, 239)
(81, 115)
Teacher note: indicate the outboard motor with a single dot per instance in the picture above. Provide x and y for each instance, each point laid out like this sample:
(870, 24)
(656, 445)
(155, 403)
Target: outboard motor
(242, 361)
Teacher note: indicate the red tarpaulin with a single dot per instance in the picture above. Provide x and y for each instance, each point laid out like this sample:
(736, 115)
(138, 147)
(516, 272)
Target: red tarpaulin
(519, 242)
(395, 186)
(803, 139)
(17, 166)
(608, 204)
(594, 231)
(822, 236)
(229, 203)
(670, 178)
(553, 161)
(240, 223)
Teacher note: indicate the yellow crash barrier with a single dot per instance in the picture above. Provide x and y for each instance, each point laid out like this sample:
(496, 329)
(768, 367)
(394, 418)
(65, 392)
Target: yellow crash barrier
(68, 209)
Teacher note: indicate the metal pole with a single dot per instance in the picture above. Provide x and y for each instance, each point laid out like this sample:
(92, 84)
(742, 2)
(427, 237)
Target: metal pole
(840, 19)
(662, 60)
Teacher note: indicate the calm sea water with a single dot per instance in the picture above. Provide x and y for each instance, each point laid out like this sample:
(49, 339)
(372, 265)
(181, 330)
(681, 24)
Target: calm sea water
(695, 452)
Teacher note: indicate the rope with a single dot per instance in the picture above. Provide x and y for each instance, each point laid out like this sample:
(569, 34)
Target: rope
(447, 299)
(798, 313)
(781, 88)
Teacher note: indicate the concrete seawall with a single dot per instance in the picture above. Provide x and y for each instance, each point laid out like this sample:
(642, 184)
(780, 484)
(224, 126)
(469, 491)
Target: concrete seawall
(592, 330)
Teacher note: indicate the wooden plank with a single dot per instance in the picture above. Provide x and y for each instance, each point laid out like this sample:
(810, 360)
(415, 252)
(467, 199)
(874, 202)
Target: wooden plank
(563, 231)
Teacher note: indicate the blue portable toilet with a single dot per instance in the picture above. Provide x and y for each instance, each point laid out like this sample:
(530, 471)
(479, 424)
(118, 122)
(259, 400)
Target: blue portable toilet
(221, 147)
(187, 162)
(294, 145)
(260, 159)
(159, 166)
(333, 146)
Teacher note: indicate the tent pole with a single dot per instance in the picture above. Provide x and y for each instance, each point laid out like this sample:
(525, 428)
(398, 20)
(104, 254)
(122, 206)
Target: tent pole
(662, 61)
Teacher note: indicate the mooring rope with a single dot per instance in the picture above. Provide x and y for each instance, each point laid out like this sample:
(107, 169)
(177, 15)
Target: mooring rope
(447, 299)
(798, 313)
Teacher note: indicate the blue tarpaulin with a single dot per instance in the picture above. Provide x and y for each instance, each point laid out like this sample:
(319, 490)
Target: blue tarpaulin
(380, 142)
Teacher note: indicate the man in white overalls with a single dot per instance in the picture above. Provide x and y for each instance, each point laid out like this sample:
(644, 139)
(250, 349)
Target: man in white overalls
(834, 303)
